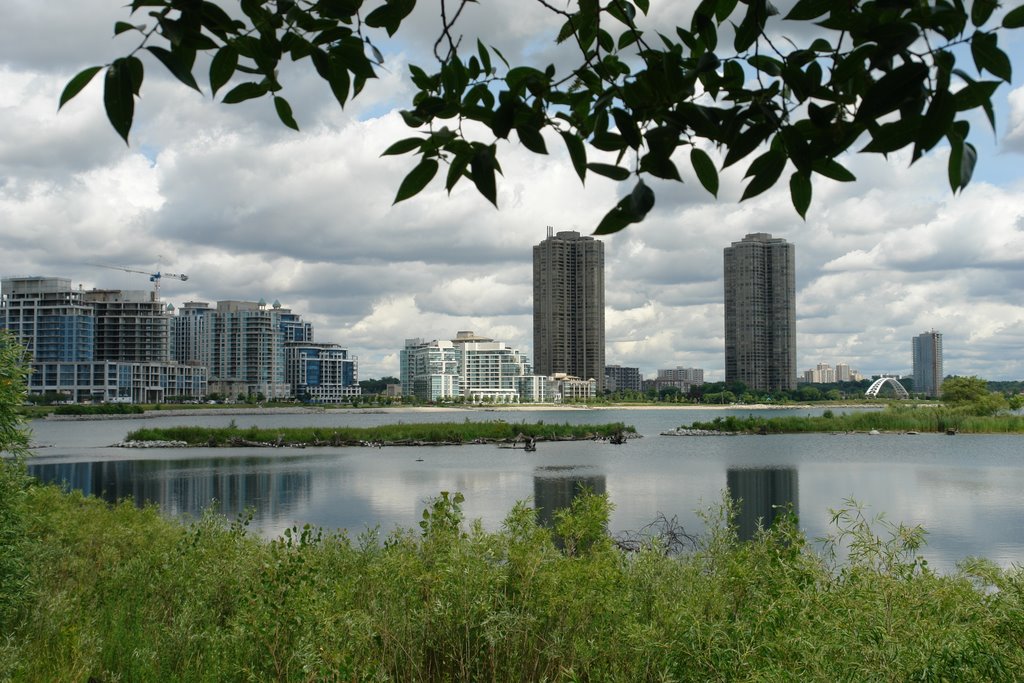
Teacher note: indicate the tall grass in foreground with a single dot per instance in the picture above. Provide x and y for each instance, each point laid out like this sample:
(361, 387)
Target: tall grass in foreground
(427, 432)
(118, 593)
(894, 419)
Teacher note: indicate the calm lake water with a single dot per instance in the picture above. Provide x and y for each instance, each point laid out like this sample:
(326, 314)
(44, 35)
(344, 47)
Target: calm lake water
(965, 490)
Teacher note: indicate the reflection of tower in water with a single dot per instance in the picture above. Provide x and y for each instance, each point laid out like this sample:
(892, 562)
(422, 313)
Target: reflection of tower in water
(761, 494)
(554, 489)
(186, 487)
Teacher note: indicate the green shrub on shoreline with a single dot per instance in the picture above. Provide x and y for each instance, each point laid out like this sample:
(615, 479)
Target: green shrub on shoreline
(120, 593)
(392, 434)
(99, 409)
(938, 419)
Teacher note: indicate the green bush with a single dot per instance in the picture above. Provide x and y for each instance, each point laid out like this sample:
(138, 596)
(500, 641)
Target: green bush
(15, 567)
(100, 409)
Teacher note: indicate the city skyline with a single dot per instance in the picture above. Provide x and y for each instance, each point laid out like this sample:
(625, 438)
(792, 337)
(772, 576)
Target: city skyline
(249, 209)
(135, 312)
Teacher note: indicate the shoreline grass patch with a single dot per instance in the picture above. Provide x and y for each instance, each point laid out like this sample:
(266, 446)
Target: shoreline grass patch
(935, 419)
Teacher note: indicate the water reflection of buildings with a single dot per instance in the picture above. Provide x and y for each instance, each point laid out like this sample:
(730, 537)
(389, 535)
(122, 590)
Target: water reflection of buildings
(761, 494)
(186, 487)
(555, 488)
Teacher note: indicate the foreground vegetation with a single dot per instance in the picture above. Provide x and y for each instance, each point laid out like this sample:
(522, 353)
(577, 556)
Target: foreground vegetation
(894, 419)
(103, 593)
(392, 434)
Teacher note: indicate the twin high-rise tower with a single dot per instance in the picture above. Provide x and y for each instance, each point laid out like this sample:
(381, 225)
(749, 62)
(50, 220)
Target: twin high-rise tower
(760, 313)
(568, 306)
(760, 310)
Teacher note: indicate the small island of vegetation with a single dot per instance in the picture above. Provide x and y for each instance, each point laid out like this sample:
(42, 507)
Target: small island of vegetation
(402, 434)
(967, 407)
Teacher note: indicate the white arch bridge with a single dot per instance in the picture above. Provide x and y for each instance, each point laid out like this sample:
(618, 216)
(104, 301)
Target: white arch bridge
(877, 385)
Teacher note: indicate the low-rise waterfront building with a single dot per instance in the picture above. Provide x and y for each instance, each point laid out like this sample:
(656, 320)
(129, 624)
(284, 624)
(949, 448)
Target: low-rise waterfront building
(471, 368)
(569, 389)
(118, 382)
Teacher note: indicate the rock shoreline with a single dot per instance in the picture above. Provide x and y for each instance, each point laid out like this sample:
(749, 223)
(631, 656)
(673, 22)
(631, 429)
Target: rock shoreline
(682, 431)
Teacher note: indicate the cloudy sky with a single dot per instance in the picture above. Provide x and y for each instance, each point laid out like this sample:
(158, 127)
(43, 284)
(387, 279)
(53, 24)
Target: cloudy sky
(248, 209)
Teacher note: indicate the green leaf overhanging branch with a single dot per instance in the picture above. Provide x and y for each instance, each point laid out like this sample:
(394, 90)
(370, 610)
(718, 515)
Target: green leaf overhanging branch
(870, 77)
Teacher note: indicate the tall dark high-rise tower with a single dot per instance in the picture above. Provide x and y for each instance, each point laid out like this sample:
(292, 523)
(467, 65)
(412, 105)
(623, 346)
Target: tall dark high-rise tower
(927, 348)
(760, 313)
(568, 306)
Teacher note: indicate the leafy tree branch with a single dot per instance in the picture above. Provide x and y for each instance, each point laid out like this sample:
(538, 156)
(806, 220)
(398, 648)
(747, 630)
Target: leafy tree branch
(875, 77)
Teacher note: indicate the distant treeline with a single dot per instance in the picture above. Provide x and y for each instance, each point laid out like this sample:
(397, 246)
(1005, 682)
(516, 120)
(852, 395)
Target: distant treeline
(1007, 387)
(392, 434)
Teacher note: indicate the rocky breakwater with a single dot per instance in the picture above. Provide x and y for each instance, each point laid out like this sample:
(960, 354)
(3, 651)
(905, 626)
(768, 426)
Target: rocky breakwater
(151, 444)
(685, 431)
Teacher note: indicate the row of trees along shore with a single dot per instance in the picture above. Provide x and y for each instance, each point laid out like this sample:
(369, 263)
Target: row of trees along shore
(96, 592)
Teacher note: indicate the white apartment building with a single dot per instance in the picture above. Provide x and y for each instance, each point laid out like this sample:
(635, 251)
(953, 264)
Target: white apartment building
(477, 369)
(826, 374)
(567, 388)
(843, 373)
(429, 369)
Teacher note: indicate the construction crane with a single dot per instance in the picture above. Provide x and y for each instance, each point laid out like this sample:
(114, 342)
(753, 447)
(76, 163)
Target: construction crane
(153, 277)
